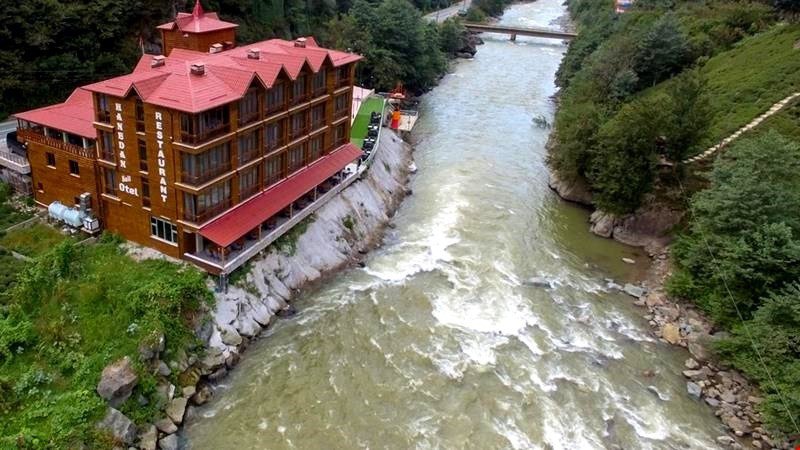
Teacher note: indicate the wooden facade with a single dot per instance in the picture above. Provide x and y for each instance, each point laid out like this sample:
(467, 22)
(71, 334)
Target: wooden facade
(158, 174)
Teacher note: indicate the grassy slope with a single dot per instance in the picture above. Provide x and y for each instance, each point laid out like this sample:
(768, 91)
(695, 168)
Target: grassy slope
(85, 307)
(359, 129)
(31, 240)
(746, 80)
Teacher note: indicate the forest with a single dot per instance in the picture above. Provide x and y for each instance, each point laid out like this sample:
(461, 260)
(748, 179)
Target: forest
(48, 48)
(645, 90)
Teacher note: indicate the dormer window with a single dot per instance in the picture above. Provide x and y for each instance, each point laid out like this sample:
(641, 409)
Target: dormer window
(103, 109)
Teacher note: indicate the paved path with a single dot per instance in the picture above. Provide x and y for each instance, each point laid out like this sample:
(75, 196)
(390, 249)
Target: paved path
(754, 123)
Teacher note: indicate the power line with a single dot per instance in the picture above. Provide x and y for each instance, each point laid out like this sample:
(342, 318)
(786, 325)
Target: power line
(739, 313)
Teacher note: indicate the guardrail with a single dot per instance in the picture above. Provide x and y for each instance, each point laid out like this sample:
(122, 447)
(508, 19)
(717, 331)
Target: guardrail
(15, 162)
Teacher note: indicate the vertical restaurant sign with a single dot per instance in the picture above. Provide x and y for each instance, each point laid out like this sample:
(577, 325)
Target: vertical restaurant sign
(162, 161)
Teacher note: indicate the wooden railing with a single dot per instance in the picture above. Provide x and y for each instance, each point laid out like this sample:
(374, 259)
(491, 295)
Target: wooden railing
(206, 135)
(342, 82)
(200, 178)
(297, 132)
(28, 135)
(207, 213)
(248, 118)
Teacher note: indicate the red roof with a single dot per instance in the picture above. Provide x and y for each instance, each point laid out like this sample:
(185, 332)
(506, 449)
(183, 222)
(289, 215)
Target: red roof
(198, 21)
(248, 215)
(74, 116)
(227, 74)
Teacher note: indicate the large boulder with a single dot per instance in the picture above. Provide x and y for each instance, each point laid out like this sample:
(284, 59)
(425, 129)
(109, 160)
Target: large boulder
(176, 410)
(119, 426)
(602, 223)
(671, 333)
(576, 190)
(117, 382)
(168, 442)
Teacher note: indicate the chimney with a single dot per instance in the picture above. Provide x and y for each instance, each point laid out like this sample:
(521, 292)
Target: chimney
(254, 53)
(198, 68)
(215, 48)
(158, 61)
(300, 42)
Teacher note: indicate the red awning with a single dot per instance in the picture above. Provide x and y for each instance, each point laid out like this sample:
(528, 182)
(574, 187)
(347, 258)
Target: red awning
(248, 215)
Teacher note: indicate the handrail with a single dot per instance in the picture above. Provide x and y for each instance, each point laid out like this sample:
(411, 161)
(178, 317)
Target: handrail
(55, 143)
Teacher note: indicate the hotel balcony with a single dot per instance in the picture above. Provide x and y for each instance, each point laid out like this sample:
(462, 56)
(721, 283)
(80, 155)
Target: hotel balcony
(240, 234)
(14, 162)
(49, 141)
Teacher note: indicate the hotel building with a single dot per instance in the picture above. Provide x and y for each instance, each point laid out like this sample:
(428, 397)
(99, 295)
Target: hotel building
(205, 150)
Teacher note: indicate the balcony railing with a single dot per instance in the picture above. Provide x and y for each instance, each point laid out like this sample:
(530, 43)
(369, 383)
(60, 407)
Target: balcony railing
(205, 135)
(342, 82)
(340, 113)
(207, 213)
(29, 135)
(275, 144)
(297, 132)
(15, 162)
(247, 118)
(248, 192)
(247, 155)
(275, 107)
(207, 175)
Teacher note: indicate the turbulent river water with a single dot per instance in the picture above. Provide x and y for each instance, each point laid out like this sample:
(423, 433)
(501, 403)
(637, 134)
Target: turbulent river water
(438, 342)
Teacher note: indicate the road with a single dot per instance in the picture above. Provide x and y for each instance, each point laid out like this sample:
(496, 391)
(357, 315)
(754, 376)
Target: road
(5, 128)
(451, 11)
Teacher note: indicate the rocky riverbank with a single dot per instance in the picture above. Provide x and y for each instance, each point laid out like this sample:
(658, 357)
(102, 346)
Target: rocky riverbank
(734, 399)
(338, 235)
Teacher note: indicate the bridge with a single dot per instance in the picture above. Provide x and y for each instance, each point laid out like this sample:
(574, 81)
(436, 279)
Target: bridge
(518, 31)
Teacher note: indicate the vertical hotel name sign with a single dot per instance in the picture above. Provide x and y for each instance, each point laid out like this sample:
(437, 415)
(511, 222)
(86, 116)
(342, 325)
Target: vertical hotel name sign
(162, 161)
(122, 157)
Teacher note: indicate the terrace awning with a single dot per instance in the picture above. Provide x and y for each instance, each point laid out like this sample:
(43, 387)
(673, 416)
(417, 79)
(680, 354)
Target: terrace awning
(246, 216)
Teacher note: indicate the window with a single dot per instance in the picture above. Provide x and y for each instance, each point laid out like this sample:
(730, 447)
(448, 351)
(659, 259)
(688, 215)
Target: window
(211, 202)
(274, 170)
(207, 165)
(299, 90)
(274, 135)
(143, 156)
(248, 182)
(39, 187)
(340, 135)
(109, 181)
(318, 83)
(163, 230)
(315, 148)
(103, 110)
(298, 122)
(341, 105)
(106, 146)
(342, 76)
(248, 107)
(248, 147)
(296, 157)
(139, 115)
(276, 98)
(318, 116)
(145, 192)
(51, 159)
(196, 128)
(74, 168)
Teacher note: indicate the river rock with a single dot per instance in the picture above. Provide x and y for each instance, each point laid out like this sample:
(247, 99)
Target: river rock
(163, 369)
(168, 442)
(119, 426)
(695, 375)
(117, 382)
(634, 291)
(541, 282)
(151, 347)
(727, 396)
(712, 402)
(670, 333)
(693, 389)
(213, 359)
(602, 223)
(202, 396)
(574, 190)
(176, 410)
(628, 261)
(229, 335)
(166, 426)
(691, 364)
(738, 425)
(148, 438)
(288, 311)
(725, 440)
(188, 391)
(698, 350)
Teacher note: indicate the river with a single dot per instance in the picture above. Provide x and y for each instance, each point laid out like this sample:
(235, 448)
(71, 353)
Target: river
(438, 342)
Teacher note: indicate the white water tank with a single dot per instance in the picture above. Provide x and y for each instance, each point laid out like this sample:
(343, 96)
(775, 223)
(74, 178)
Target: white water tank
(63, 213)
